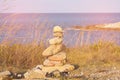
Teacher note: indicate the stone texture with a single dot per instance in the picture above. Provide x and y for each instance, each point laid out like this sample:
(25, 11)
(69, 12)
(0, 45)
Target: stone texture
(5, 73)
(56, 34)
(48, 51)
(52, 49)
(55, 55)
(57, 29)
(55, 40)
(64, 68)
(57, 48)
(55, 58)
(40, 71)
(35, 73)
(49, 63)
(61, 56)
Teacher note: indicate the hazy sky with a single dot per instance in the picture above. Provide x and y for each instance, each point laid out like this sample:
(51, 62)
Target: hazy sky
(59, 6)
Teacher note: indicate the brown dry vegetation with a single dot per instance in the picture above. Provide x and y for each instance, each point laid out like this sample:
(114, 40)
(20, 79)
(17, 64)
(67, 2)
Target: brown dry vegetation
(17, 57)
(101, 53)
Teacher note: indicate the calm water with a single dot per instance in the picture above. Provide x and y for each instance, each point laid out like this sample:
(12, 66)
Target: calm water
(37, 24)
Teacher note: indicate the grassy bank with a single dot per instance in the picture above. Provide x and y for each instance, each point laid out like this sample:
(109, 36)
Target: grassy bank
(16, 57)
(20, 56)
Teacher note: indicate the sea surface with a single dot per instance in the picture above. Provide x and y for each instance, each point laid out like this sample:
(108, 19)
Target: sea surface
(26, 27)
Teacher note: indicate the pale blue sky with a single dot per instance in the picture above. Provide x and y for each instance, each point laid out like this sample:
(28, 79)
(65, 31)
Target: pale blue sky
(60, 6)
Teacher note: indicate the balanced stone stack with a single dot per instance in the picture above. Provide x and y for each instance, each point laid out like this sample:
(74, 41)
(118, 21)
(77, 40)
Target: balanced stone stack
(55, 54)
(55, 58)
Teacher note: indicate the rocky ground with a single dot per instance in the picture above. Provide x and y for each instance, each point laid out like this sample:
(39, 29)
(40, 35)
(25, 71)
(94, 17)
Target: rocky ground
(112, 73)
(99, 74)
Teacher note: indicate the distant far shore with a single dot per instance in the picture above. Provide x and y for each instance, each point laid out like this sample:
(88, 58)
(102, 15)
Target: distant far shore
(110, 26)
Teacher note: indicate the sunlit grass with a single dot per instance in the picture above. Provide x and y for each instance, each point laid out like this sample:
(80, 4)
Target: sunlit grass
(22, 56)
(26, 56)
(18, 57)
(101, 53)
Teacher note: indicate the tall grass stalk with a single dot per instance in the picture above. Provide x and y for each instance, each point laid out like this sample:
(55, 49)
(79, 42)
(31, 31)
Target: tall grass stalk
(29, 55)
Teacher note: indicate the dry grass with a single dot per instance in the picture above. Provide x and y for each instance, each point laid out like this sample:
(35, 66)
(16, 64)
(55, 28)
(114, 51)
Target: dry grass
(20, 56)
(24, 56)
(101, 53)
(28, 56)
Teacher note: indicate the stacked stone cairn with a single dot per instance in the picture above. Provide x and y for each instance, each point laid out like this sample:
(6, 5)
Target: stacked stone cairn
(55, 57)
(55, 54)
